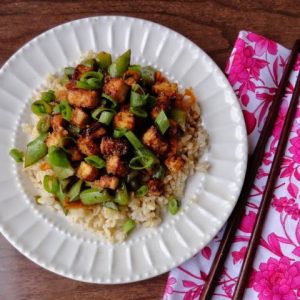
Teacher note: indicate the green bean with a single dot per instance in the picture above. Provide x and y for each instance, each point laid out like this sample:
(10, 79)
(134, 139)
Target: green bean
(121, 195)
(50, 184)
(128, 226)
(75, 191)
(16, 154)
(173, 205)
(43, 124)
(94, 196)
(120, 65)
(104, 60)
(36, 150)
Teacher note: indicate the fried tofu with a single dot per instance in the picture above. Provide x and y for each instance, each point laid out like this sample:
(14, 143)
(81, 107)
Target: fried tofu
(111, 146)
(154, 141)
(79, 118)
(88, 146)
(55, 138)
(117, 89)
(165, 88)
(87, 172)
(107, 182)
(154, 187)
(115, 166)
(83, 98)
(163, 103)
(131, 77)
(174, 163)
(95, 131)
(124, 120)
(57, 122)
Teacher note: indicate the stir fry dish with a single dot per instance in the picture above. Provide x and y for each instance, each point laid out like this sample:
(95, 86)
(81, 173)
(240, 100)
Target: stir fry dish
(114, 143)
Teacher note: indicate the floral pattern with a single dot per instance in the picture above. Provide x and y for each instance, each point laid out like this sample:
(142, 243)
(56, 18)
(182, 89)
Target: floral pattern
(254, 69)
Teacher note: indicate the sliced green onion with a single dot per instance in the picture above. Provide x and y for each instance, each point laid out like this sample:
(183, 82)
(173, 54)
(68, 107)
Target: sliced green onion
(94, 196)
(69, 71)
(92, 74)
(56, 109)
(43, 124)
(142, 191)
(63, 172)
(173, 205)
(148, 75)
(136, 68)
(120, 65)
(114, 104)
(162, 122)
(36, 150)
(134, 141)
(106, 117)
(111, 205)
(50, 184)
(58, 158)
(95, 161)
(179, 116)
(89, 62)
(90, 80)
(48, 96)
(118, 133)
(159, 173)
(83, 85)
(62, 196)
(128, 226)
(36, 199)
(104, 59)
(122, 195)
(137, 100)
(75, 191)
(16, 154)
(66, 110)
(141, 162)
(41, 107)
(139, 112)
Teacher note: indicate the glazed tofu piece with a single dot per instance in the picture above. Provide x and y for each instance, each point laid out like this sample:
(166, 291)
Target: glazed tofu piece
(83, 98)
(79, 118)
(154, 187)
(88, 146)
(87, 172)
(55, 138)
(117, 89)
(165, 88)
(124, 120)
(115, 166)
(154, 141)
(174, 163)
(111, 146)
(163, 103)
(107, 182)
(95, 131)
(57, 122)
(131, 77)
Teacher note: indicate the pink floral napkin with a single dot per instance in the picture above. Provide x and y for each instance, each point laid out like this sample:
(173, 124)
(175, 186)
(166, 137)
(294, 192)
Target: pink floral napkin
(254, 69)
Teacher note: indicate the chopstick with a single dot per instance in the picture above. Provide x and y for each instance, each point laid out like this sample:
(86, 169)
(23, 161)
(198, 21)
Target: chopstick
(253, 165)
(267, 195)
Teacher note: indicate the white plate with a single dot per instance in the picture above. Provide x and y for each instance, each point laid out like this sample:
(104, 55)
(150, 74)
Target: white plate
(45, 237)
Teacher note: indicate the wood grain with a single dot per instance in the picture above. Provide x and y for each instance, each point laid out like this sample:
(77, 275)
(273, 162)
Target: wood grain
(213, 25)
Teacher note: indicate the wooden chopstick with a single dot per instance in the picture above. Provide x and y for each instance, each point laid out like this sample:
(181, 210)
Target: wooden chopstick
(253, 165)
(267, 195)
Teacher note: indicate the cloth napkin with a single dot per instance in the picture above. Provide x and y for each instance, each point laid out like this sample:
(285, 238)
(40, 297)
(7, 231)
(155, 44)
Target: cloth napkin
(254, 70)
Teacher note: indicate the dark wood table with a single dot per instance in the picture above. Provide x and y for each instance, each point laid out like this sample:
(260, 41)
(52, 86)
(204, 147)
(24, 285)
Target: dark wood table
(213, 25)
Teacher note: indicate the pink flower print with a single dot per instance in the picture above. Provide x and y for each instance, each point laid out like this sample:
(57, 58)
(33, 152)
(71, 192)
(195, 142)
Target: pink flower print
(279, 122)
(295, 148)
(248, 222)
(293, 211)
(297, 64)
(262, 45)
(281, 203)
(239, 255)
(169, 289)
(249, 120)
(277, 279)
